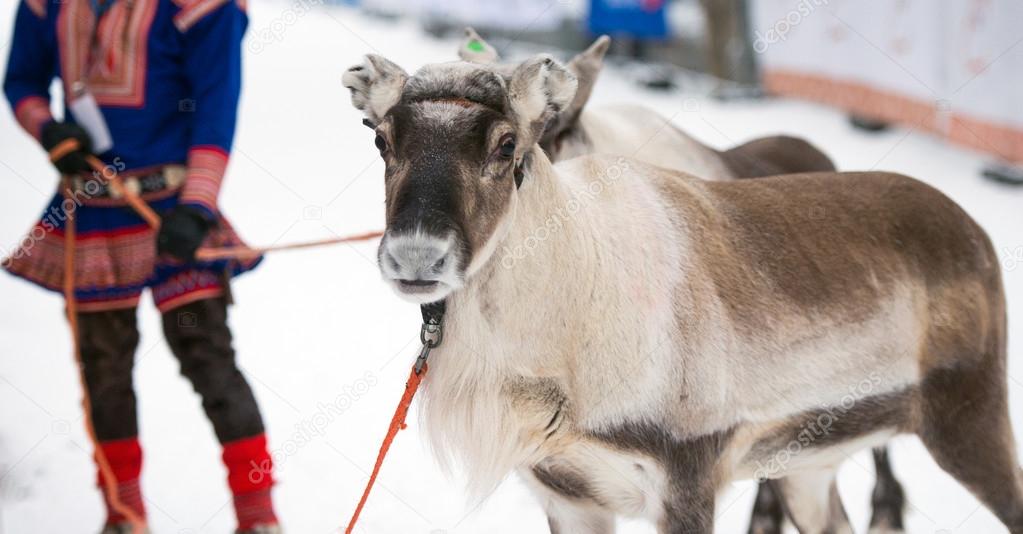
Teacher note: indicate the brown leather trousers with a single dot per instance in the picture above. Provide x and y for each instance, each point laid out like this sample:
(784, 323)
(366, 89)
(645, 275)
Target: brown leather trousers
(200, 339)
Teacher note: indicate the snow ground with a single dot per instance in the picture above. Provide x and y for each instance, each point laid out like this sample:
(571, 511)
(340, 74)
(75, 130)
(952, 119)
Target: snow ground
(316, 328)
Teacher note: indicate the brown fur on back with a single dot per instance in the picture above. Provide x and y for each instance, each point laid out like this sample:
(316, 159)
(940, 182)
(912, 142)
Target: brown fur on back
(836, 246)
(777, 154)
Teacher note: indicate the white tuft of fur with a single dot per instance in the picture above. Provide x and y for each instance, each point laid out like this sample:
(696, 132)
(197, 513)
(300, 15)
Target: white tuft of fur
(472, 426)
(539, 86)
(376, 85)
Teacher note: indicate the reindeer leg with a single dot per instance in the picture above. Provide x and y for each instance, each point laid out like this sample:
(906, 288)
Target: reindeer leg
(965, 426)
(812, 503)
(565, 516)
(888, 499)
(569, 507)
(768, 512)
(691, 511)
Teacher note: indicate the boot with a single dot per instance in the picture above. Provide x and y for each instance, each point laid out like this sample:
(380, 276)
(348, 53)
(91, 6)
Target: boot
(250, 477)
(125, 459)
(121, 528)
(262, 529)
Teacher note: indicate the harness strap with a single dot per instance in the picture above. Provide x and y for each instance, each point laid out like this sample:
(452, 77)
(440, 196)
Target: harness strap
(433, 313)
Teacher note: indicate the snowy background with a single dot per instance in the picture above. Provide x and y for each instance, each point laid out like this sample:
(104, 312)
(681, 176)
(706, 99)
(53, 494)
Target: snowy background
(318, 328)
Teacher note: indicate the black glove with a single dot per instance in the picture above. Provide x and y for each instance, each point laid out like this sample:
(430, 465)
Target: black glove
(54, 133)
(182, 231)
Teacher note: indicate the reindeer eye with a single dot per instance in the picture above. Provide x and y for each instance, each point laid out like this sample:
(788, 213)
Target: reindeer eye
(380, 143)
(507, 149)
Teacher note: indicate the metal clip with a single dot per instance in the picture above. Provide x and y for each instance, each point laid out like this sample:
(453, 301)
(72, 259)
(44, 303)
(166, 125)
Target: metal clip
(431, 335)
(421, 360)
(432, 332)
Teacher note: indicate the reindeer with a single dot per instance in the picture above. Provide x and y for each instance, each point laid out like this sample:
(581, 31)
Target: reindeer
(664, 335)
(576, 131)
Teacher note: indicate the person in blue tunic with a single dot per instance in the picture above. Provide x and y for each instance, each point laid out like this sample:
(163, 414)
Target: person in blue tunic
(163, 77)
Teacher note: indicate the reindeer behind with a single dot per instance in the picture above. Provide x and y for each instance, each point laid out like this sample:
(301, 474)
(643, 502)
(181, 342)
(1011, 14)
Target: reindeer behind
(641, 133)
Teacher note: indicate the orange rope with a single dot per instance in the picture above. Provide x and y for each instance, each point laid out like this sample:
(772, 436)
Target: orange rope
(63, 148)
(138, 524)
(246, 252)
(141, 208)
(206, 253)
(397, 423)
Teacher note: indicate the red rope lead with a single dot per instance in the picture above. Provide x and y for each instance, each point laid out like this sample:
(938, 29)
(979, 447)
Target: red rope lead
(397, 423)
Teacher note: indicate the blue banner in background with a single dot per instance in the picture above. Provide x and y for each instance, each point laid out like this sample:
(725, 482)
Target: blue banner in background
(640, 19)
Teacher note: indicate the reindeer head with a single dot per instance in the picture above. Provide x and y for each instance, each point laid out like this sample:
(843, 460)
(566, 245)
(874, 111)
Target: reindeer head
(586, 66)
(455, 138)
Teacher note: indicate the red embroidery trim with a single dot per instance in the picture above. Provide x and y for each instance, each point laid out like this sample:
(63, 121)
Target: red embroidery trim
(192, 12)
(206, 167)
(38, 7)
(117, 77)
(32, 112)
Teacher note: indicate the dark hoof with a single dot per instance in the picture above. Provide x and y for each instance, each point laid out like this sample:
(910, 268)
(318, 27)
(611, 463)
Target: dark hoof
(768, 514)
(764, 525)
(868, 124)
(1004, 174)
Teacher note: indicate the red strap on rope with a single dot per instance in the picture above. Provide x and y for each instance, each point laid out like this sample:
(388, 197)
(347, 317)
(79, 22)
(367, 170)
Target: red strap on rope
(397, 423)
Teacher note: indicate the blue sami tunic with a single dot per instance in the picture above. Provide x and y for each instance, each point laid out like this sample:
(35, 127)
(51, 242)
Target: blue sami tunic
(166, 75)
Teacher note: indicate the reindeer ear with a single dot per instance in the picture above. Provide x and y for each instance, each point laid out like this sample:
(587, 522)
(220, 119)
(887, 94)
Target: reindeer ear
(540, 87)
(587, 66)
(475, 50)
(376, 86)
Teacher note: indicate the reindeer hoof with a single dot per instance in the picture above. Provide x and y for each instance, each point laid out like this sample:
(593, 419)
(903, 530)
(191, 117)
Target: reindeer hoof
(764, 525)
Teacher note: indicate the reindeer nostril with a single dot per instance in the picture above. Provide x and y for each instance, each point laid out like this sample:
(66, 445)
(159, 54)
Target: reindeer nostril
(439, 264)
